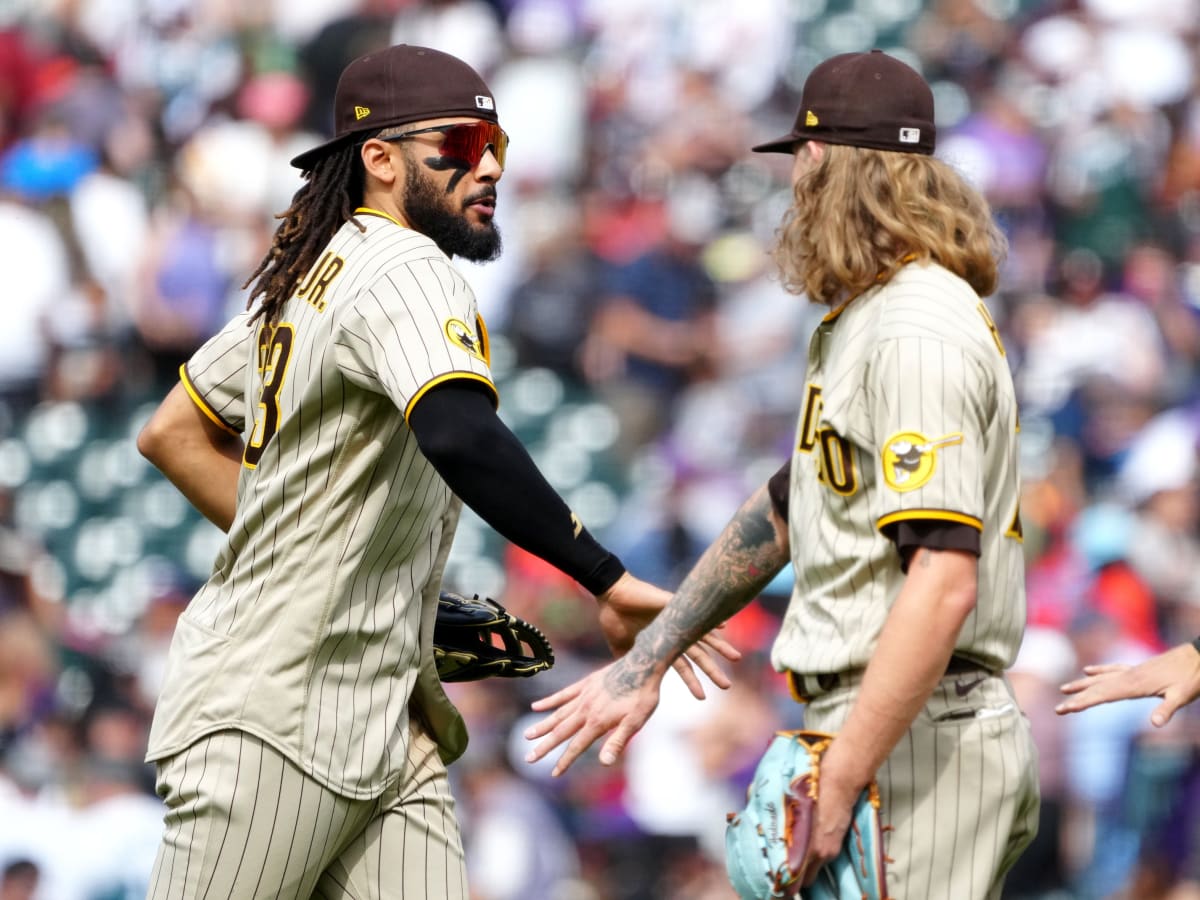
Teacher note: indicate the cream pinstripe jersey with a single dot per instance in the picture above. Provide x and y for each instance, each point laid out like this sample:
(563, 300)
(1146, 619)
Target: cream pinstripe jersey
(314, 628)
(909, 413)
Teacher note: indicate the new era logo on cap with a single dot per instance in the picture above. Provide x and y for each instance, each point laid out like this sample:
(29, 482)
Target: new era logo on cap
(484, 102)
(910, 135)
(361, 112)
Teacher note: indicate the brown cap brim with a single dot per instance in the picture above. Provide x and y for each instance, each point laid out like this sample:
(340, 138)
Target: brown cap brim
(786, 144)
(307, 160)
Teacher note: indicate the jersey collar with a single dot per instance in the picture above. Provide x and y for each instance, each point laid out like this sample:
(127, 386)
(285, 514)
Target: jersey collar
(369, 211)
(841, 307)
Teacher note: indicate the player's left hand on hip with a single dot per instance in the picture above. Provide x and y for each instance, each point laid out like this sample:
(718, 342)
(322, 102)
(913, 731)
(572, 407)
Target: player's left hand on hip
(587, 710)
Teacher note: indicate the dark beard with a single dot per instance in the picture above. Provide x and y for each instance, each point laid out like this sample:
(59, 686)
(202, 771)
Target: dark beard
(425, 208)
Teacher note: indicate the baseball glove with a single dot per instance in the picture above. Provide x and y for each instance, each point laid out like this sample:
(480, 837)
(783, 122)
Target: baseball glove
(766, 844)
(479, 638)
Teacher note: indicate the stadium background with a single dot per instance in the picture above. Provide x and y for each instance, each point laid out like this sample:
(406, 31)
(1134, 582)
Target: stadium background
(643, 351)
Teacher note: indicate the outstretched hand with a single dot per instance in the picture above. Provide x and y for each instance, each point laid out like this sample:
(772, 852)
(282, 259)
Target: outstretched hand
(610, 699)
(631, 604)
(1173, 675)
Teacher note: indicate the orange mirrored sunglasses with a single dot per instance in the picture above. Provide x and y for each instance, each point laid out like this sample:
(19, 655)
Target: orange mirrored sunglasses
(465, 141)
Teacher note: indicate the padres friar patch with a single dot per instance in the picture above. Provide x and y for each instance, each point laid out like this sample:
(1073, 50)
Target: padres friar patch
(909, 458)
(465, 338)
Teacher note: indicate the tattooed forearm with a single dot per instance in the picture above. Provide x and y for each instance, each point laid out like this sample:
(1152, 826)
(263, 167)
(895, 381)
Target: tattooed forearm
(629, 672)
(730, 573)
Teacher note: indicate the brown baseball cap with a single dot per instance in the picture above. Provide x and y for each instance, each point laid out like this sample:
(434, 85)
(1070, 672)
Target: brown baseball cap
(863, 100)
(401, 84)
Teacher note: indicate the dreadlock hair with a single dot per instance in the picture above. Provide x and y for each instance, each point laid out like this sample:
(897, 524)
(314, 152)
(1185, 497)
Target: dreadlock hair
(325, 202)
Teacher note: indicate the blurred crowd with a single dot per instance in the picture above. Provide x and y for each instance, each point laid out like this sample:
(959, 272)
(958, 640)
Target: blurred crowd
(645, 352)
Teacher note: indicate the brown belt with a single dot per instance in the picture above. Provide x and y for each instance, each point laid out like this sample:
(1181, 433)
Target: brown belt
(828, 681)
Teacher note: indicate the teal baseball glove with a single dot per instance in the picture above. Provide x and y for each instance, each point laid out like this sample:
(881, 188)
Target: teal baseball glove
(766, 844)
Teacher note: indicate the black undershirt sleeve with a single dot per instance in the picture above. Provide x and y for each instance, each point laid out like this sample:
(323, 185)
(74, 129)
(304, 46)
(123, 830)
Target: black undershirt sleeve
(482, 461)
(778, 490)
(932, 534)
(907, 535)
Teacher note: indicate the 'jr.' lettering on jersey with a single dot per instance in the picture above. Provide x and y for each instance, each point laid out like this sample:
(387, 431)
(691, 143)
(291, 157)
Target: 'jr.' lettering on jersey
(313, 289)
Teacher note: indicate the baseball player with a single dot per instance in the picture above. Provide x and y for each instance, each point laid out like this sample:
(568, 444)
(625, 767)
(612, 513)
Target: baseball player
(301, 735)
(900, 503)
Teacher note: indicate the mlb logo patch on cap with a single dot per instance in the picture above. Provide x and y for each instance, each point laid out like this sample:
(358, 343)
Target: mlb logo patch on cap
(910, 135)
(484, 102)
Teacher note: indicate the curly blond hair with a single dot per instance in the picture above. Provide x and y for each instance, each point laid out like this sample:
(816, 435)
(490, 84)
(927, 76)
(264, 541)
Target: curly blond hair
(859, 215)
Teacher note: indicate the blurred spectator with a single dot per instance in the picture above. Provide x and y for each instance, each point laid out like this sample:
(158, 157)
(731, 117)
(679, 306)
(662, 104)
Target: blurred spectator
(1098, 749)
(27, 669)
(19, 880)
(98, 841)
(653, 334)
(48, 163)
(17, 77)
(253, 155)
(186, 278)
(760, 333)
(1159, 482)
(1155, 277)
(1093, 336)
(1098, 181)
(109, 221)
(676, 801)
(551, 308)
(709, 139)
(35, 289)
(469, 28)
(547, 150)
(517, 848)
(1102, 534)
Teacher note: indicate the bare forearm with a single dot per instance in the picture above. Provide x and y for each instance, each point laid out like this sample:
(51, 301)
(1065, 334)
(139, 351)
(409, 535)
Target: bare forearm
(210, 487)
(928, 614)
(728, 575)
(196, 456)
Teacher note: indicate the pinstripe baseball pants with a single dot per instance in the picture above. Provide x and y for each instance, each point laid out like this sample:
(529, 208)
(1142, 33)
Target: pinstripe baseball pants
(960, 789)
(243, 822)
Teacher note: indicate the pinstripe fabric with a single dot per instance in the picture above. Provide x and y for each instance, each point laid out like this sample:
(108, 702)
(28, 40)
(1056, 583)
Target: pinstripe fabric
(959, 791)
(913, 361)
(411, 849)
(243, 822)
(313, 631)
